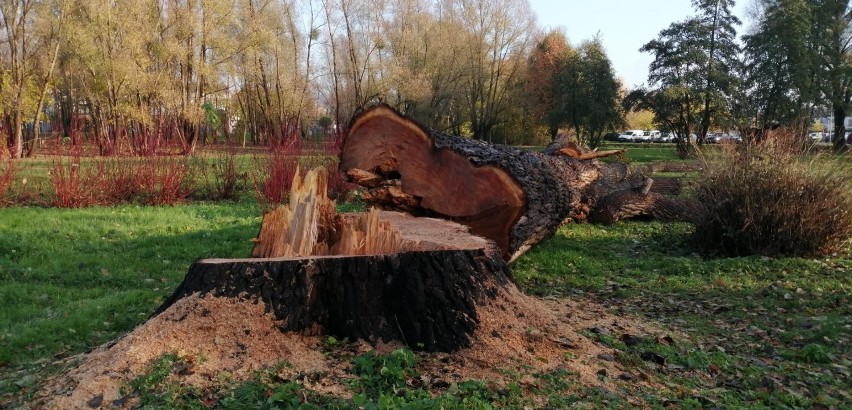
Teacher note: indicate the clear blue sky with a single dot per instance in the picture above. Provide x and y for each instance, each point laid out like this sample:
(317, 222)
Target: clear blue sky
(624, 26)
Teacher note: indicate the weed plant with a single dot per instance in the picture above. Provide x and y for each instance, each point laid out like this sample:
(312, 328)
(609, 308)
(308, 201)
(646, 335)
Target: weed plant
(769, 198)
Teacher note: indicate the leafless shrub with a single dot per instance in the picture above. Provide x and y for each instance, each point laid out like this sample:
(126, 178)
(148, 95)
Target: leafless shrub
(769, 198)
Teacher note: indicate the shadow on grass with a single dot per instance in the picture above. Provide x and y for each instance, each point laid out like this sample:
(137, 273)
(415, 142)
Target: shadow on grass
(778, 322)
(71, 280)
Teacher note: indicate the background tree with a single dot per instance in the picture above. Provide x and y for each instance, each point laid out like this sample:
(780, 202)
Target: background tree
(639, 120)
(586, 93)
(781, 65)
(800, 64)
(833, 21)
(544, 63)
(28, 52)
(718, 41)
(692, 75)
(150, 76)
(498, 34)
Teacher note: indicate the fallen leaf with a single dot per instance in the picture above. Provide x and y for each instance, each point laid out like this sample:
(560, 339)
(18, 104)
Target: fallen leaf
(653, 357)
(96, 401)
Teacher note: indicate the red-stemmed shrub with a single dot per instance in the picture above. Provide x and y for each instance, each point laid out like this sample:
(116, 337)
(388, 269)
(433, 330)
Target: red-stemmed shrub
(228, 181)
(7, 176)
(273, 177)
(72, 185)
(166, 180)
(113, 181)
(119, 180)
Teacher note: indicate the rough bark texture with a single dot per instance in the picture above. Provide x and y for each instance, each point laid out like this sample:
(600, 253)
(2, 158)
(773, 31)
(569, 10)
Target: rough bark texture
(424, 294)
(514, 197)
(425, 299)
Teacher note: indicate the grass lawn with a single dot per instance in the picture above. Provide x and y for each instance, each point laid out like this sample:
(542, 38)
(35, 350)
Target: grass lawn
(637, 152)
(761, 332)
(745, 332)
(73, 279)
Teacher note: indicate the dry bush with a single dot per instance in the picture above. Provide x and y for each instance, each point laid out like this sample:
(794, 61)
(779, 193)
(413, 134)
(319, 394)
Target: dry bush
(769, 198)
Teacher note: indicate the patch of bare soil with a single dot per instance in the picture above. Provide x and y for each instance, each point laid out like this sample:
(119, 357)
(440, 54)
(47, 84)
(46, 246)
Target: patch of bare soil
(226, 336)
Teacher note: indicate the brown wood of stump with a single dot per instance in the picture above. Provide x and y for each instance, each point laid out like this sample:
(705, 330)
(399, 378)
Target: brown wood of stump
(373, 276)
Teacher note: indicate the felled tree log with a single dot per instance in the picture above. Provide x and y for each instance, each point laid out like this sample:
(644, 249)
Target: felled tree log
(514, 197)
(381, 276)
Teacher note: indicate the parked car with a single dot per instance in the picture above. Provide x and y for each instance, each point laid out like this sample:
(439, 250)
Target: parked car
(718, 137)
(666, 137)
(630, 135)
(649, 136)
(816, 136)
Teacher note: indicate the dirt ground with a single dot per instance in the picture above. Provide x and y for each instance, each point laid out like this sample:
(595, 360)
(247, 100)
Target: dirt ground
(237, 337)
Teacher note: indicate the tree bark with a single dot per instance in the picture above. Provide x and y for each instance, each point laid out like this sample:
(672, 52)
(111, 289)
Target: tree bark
(427, 297)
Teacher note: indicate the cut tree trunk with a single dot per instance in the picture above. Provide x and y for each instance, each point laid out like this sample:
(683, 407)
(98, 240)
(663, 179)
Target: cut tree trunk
(371, 276)
(514, 197)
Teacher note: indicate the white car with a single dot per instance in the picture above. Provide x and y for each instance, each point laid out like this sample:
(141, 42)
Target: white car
(651, 136)
(631, 135)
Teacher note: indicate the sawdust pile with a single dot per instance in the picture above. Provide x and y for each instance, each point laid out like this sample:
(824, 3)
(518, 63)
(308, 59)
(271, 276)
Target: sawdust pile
(219, 335)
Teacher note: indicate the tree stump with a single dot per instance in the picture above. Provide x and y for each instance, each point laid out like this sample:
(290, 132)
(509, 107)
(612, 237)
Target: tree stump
(373, 276)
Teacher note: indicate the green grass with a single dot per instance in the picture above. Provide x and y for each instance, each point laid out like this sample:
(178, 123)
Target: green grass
(74, 279)
(71, 279)
(637, 152)
(746, 332)
(763, 332)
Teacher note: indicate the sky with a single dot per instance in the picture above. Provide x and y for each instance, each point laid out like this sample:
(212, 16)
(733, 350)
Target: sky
(624, 26)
